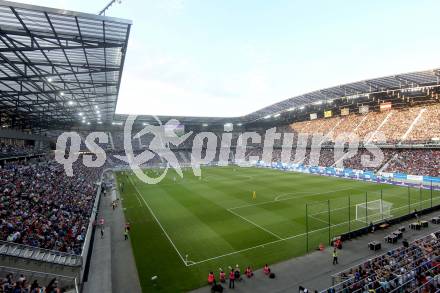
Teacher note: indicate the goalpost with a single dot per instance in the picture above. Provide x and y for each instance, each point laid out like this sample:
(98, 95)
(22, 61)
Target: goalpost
(373, 211)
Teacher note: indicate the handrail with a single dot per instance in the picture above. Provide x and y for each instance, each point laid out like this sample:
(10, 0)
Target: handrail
(409, 281)
(349, 279)
(412, 268)
(38, 249)
(68, 281)
(93, 213)
(382, 254)
(31, 272)
(430, 281)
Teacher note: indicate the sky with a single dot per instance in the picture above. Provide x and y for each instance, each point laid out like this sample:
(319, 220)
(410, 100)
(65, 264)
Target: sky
(228, 58)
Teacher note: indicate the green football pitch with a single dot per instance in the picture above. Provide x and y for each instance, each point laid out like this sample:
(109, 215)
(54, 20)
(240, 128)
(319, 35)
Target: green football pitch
(182, 228)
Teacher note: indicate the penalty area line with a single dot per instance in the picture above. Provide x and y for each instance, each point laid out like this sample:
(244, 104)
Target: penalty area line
(278, 198)
(317, 219)
(256, 225)
(160, 225)
(262, 245)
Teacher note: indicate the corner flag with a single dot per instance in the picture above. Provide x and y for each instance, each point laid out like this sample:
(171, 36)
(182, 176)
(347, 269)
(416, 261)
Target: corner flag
(254, 195)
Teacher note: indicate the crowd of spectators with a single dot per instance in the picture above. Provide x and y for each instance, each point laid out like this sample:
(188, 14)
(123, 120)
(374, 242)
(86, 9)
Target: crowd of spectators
(41, 206)
(416, 162)
(399, 122)
(326, 157)
(20, 284)
(410, 161)
(323, 126)
(403, 269)
(428, 125)
(11, 150)
(419, 123)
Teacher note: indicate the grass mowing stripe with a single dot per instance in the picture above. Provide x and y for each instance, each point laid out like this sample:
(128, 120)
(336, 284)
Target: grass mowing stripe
(256, 225)
(160, 225)
(202, 199)
(265, 244)
(306, 194)
(195, 214)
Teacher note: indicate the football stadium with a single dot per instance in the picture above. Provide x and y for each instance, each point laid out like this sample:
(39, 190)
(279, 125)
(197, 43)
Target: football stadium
(124, 169)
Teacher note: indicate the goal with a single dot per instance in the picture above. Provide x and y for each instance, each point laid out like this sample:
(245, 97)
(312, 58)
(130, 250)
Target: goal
(373, 211)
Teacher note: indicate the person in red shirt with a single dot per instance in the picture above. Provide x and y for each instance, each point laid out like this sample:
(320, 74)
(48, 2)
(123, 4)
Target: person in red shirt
(266, 269)
(249, 272)
(222, 276)
(338, 244)
(211, 279)
(231, 279)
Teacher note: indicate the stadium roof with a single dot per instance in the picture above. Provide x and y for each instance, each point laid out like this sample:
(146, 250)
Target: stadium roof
(376, 85)
(58, 66)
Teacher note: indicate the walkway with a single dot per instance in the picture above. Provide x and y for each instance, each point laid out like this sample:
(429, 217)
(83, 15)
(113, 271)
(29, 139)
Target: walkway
(313, 271)
(112, 264)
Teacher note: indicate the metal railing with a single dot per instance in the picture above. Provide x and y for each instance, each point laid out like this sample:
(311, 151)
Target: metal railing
(65, 282)
(340, 281)
(39, 254)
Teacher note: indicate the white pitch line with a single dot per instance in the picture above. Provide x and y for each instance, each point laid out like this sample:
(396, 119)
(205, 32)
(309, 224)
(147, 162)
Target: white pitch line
(317, 219)
(311, 193)
(137, 197)
(264, 244)
(157, 221)
(255, 224)
(268, 243)
(306, 194)
(393, 209)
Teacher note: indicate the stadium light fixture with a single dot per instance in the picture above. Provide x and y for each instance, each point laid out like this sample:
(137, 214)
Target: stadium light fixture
(291, 109)
(267, 117)
(70, 103)
(318, 103)
(205, 124)
(62, 93)
(80, 113)
(301, 108)
(239, 124)
(49, 79)
(97, 112)
(99, 122)
(96, 106)
(88, 123)
(276, 115)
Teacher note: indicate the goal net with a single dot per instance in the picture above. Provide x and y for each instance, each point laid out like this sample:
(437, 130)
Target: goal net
(373, 211)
